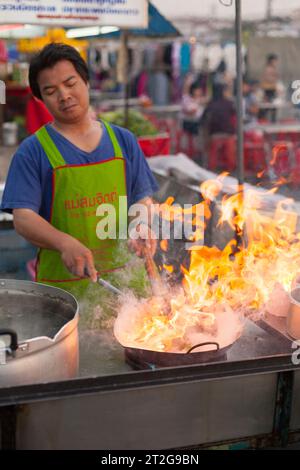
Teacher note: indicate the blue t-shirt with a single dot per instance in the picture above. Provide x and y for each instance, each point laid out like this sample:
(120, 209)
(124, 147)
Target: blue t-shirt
(29, 180)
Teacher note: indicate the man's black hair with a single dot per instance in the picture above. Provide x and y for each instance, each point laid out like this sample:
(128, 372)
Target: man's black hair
(49, 56)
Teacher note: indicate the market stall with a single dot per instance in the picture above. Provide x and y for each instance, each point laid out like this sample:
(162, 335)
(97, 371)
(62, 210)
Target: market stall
(209, 361)
(242, 395)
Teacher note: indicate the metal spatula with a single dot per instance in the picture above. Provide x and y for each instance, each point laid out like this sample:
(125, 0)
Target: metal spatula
(109, 286)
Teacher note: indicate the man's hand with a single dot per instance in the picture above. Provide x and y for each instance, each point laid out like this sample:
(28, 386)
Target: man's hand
(142, 237)
(78, 259)
(145, 242)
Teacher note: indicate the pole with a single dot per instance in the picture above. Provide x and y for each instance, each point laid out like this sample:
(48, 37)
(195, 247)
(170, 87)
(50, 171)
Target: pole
(269, 10)
(2, 103)
(126, 78)
(1, 122)
(239, 81)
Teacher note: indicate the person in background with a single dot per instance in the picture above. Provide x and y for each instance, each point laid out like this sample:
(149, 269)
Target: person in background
(221, 77)
(219, 115)
(203, 77)
(218, 124)
(269, 82)
(250, 103)
(193, 104)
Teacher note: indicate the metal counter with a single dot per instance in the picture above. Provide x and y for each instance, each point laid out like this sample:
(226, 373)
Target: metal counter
(251, 396)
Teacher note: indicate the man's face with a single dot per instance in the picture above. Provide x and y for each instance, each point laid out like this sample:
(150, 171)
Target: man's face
(64, 92)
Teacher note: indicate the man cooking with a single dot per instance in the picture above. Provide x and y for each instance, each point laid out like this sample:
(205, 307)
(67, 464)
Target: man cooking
(61, 174)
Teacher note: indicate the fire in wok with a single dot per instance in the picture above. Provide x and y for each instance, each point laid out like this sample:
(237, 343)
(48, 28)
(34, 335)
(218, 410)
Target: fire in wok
(220, 287)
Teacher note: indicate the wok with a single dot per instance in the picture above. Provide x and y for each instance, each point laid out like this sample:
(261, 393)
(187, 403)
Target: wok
(147, 359)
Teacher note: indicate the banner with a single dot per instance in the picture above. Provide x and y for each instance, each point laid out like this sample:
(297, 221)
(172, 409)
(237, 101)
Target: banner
(120, 13)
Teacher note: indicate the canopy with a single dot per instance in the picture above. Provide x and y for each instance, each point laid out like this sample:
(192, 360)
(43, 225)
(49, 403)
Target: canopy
(159, 26)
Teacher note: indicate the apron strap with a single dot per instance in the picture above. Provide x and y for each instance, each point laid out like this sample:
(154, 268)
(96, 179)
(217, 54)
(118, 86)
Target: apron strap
(54, 156)
(117, 149)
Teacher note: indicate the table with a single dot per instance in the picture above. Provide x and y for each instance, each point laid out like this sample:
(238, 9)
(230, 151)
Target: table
(278, 110)
(279, 128)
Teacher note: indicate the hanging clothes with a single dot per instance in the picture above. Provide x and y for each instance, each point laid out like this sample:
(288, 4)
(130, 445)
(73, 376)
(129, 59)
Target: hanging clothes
(198, 57)
(142, 84)
(215, 55)
(176, 81)
(158, 88)
(185, 58)
(137, 61)
(105, 61)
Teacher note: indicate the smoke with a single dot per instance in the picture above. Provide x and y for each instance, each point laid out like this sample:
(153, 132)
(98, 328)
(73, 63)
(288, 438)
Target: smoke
(177, 331)
(99, 307)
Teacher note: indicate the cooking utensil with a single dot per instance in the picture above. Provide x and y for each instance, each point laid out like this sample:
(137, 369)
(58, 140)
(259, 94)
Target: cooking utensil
(40, 322)
(147, 359)
(159, 289)
(107, 285)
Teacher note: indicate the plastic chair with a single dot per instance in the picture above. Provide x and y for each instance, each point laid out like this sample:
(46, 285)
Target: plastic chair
(256, 150)
(283, 157)
(188, 144)
(222, 152)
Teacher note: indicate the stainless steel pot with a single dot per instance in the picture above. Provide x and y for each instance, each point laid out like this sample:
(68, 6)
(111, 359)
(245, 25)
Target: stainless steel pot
(293, 317)
(38, 333)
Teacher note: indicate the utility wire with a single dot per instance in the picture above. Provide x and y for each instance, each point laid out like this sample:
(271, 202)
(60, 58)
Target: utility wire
(229, 4)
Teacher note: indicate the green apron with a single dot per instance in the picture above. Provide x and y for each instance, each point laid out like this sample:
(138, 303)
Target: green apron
(77, 192)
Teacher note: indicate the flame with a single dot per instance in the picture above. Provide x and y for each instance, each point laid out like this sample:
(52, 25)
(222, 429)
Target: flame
(254, 270)
(260, 173)
(210, 189)
(164, 245)
(168, 268)
(276, 151)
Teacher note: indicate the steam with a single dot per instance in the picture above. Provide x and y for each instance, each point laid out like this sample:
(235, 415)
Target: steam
(177, 332)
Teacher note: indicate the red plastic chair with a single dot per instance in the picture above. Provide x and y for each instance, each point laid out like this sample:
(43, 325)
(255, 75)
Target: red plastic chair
(255, 151)
(222, 152)
(186, 143)
(283, 157)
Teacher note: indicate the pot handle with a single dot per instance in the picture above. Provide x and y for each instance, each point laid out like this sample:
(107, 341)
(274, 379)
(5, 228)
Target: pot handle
(204, 344)
(13, 338)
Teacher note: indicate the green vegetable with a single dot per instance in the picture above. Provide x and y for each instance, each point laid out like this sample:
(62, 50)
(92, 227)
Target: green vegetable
(138, 124)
